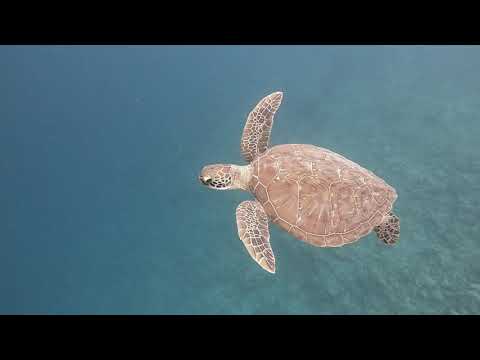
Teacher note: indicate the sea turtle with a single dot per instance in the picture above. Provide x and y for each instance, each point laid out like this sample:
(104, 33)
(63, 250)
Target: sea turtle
(313, 193)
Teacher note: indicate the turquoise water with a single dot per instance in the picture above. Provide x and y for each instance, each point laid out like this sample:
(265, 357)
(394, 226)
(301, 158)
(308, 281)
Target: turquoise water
(102, 211)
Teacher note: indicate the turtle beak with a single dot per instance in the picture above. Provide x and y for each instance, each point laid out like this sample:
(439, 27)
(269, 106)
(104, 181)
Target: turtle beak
(205, 179)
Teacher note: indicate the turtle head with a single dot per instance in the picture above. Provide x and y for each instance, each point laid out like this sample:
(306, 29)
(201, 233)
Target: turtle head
(218, 176)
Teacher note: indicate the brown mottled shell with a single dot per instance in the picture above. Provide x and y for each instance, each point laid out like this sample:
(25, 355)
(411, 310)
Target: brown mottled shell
(319, 196)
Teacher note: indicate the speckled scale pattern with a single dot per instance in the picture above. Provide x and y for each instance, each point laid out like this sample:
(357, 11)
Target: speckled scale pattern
(389, 230)
(258, 127)
(252, 225)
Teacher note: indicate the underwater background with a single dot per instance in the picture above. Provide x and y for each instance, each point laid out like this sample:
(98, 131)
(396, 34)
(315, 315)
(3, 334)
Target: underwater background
(102, 211)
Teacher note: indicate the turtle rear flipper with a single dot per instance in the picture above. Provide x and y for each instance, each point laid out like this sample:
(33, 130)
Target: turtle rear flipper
(389, 230)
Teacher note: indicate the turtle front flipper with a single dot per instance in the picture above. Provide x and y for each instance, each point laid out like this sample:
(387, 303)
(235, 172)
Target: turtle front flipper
(389, 230)
(252, 225)
(256, 133)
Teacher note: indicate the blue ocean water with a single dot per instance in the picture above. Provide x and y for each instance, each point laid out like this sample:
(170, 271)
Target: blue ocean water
(102, 212)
